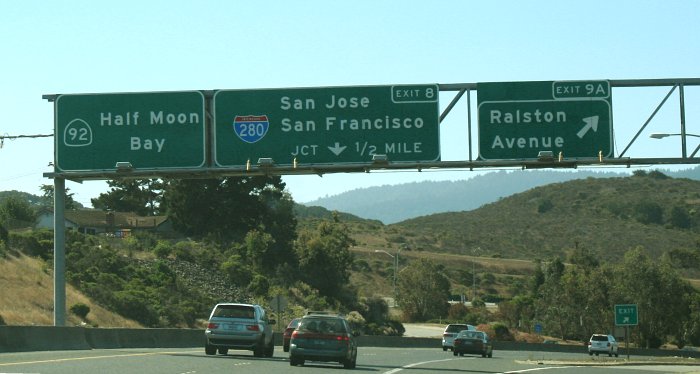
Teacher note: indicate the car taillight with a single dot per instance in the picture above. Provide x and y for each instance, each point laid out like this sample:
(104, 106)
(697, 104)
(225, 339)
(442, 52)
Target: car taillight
(213, 325)
(446, 335)
(295, 334)
(253, 328)
(342, 338)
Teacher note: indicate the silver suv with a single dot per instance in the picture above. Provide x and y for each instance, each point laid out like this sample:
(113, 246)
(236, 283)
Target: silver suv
(600, 343)
(451, 332)
(239, 326)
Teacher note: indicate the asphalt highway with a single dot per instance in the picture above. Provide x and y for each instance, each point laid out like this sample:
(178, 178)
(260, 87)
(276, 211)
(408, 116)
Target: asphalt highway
(370, 360)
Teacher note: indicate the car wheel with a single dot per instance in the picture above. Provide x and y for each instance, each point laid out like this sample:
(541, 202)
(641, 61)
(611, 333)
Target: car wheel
(597, 354)
(270, 351)
(209, 349)
(616, 354)
(590, 353)
(295, 361)
(223, 351)
(285, 347)
(609, 354)
(259, 351)
(483, 355)
(490, 354)
(444, 349)
(454, 353)
(348, 364)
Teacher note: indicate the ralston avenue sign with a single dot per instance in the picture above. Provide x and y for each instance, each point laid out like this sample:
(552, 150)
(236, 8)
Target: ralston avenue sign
(152, 130)
(517, 120)
(326, 125)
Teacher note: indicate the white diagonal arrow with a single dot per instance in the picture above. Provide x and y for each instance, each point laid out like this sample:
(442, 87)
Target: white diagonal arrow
(337, 149)
(626, 320)
(591, 123)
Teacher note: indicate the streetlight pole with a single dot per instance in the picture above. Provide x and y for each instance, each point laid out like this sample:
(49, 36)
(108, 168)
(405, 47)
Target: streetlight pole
(474, 251)
(396, 266)
(683, 135)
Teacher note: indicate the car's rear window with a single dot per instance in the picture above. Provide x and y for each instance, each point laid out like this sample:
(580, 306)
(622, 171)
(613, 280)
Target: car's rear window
(235, 311)
(322, 325)
(472, 335)
(599, 338)
(456, 328)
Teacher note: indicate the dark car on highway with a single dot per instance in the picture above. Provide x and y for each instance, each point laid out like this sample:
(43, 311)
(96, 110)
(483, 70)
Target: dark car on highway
(287, 334)
(451, 332)
(325, 338)
(473, 342)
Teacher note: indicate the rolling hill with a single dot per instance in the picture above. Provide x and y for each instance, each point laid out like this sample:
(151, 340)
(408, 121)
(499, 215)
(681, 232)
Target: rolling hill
(608, 216)
(396, 203)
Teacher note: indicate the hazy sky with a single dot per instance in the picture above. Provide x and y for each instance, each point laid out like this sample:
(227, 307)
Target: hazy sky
(62, 47)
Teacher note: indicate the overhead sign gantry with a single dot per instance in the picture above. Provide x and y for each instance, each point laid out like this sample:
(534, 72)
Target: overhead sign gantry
(330, 130)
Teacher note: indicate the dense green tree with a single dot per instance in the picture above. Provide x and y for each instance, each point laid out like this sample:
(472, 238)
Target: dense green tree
(141, 196)
(658, 291)
(584, 257)
(16, 212)
(255, 211)
(649, 212)
(422, 291)
(47, 198)
(680, 218)
(325, 260)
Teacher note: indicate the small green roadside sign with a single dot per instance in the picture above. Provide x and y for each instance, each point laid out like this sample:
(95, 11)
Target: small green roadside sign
(151, 130)
(517, 120)
(326, 125)
(626, 315)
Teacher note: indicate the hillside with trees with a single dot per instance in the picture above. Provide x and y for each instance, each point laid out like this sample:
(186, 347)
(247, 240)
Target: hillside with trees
(396, 203)
(607, 216)
(602, 241)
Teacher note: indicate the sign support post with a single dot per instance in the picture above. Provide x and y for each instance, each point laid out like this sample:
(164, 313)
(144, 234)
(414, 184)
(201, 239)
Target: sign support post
(59, 252)
(626, 315)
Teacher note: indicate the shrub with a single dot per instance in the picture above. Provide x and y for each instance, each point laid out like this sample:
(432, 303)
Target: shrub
(162, 249)
(457, 312)
(81, 310)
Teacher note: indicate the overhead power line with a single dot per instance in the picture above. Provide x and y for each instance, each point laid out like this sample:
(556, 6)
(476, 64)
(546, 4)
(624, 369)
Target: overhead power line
(13, 137)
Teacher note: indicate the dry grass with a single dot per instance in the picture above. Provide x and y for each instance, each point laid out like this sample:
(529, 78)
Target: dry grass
(27, 297)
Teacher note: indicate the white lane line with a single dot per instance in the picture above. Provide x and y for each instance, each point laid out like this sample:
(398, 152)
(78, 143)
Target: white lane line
(392, 371)
(68, 359)
(536, 369)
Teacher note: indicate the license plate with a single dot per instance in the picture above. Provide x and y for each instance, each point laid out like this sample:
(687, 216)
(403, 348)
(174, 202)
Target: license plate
(234, 327)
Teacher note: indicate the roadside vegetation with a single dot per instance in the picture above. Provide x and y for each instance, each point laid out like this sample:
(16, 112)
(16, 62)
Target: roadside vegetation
(558, 257)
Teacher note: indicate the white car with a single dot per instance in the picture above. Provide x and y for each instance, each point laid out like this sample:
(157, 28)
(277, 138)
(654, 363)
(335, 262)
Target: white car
(451, 331)
(239, 326)
(600, 343)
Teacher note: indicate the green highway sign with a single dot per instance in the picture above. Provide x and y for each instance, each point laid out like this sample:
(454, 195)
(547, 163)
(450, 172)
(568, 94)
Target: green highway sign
(329, 125)
(152, 130)
(517, 120)
(626, 315)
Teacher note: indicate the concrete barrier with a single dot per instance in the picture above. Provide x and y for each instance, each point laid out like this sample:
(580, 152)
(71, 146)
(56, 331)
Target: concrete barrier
(50, 338)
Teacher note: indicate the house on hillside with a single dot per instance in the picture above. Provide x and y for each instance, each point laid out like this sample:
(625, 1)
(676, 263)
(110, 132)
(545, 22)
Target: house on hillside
(119, 224)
